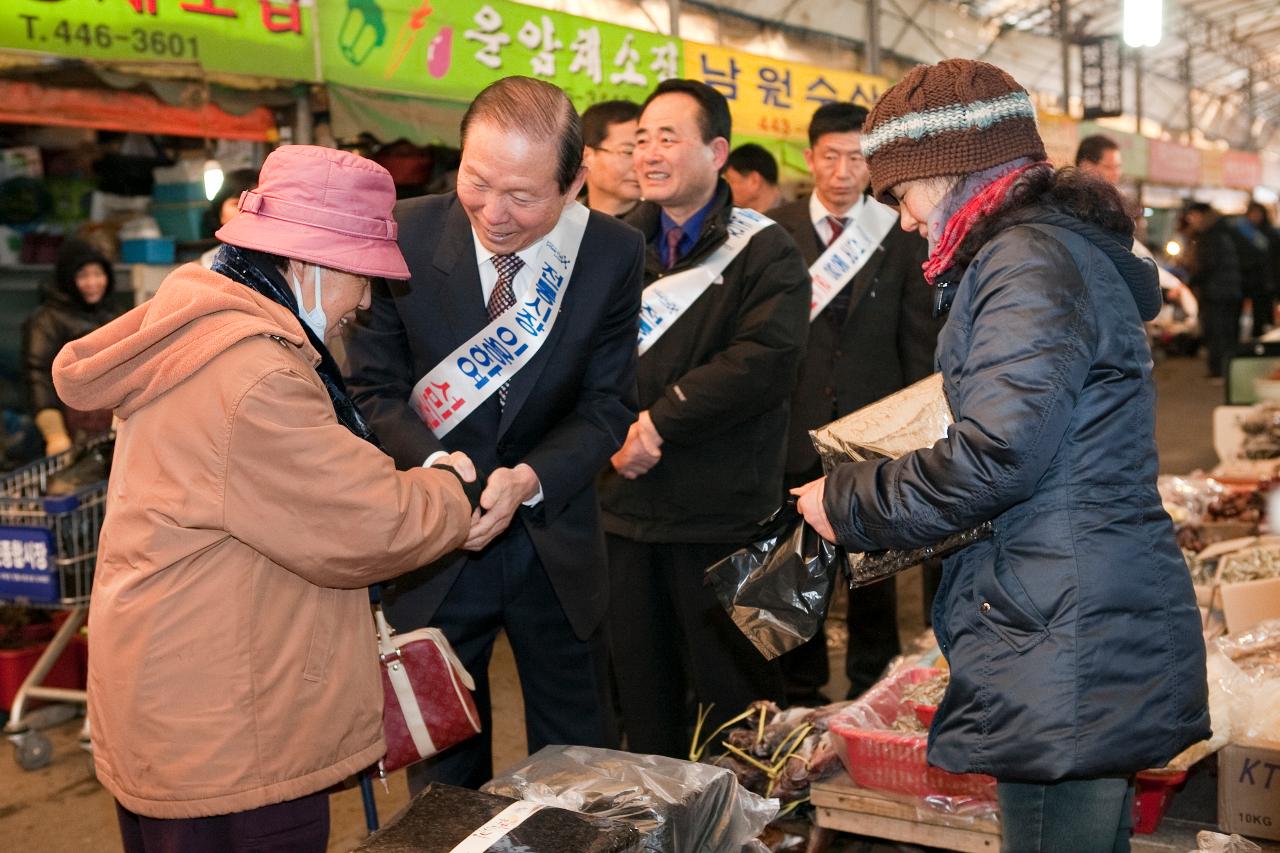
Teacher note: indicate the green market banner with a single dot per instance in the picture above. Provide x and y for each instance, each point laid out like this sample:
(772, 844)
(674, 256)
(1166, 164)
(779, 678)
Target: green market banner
(260, 38)
(452, 50)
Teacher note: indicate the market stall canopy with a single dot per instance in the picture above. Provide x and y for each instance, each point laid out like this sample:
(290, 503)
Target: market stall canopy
(31, 103)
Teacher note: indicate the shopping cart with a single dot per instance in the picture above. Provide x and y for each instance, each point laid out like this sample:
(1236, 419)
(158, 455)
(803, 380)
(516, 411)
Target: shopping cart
(48, 547)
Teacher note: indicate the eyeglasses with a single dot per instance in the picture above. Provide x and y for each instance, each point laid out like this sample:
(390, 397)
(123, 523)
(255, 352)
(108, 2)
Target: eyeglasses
(620, 152)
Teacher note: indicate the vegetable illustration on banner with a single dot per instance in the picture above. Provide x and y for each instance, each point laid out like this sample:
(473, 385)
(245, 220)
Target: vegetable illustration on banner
(452, 50)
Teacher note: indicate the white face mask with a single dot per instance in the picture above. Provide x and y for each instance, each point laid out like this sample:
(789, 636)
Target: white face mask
(315, 318)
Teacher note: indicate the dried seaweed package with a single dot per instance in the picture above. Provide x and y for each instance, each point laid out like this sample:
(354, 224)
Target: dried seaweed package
(677, 806)
(911, 419)
(776, 589)
(443, 819)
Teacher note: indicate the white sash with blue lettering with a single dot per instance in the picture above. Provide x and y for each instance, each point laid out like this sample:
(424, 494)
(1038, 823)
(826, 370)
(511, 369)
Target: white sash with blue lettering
(666, 299)
(832, 272)
(456, 387)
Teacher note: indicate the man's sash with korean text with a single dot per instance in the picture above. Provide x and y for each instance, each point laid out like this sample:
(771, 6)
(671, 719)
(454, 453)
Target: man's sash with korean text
(666, 299)
(469, 375)
(832, 272)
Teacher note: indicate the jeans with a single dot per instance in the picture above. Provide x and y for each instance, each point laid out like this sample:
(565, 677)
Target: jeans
(1077, 816)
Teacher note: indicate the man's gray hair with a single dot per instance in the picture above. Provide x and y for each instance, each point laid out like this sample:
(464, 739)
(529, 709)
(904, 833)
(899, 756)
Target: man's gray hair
(537, 110)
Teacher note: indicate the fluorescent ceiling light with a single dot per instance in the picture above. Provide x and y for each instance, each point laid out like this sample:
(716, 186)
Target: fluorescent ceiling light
(1143, 22)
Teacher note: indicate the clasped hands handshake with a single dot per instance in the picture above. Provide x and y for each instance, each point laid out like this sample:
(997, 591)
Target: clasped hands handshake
(504, 491)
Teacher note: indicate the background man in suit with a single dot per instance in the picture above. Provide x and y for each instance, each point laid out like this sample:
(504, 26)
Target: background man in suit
(702, 466)
(752, 176)
(537, 569)
(609, 140)
(875, 337)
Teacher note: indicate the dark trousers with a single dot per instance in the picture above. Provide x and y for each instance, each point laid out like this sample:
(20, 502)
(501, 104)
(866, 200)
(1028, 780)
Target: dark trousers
(1220, 322)
(295, 826)
(564, 680)
(670, 637)
(1264, 306)
(873, 633)
(1066, 817)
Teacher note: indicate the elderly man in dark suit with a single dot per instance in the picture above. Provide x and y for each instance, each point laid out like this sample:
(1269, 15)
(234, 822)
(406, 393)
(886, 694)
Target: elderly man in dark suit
(498, 248)
(876, 336)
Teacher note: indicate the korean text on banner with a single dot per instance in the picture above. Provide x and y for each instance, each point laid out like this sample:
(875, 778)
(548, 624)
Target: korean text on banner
(451, 51)
(267, 38)
(775, 97)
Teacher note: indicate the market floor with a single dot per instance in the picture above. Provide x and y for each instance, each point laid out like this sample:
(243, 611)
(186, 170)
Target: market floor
(62, 809)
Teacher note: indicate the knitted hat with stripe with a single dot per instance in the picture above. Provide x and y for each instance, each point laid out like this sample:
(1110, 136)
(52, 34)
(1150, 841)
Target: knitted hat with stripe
(954, 118)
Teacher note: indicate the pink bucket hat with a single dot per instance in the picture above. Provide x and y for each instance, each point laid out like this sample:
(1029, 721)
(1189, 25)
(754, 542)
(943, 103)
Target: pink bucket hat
(321, 205)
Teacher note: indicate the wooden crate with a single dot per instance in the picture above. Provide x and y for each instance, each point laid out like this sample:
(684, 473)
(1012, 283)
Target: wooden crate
(840, 805)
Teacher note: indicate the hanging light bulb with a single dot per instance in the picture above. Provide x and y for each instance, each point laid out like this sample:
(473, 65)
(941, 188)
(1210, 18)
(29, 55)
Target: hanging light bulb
(212, 178)
(1143, 22)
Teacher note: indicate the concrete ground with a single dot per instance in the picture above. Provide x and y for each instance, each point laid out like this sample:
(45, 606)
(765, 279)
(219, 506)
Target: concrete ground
(62, 809)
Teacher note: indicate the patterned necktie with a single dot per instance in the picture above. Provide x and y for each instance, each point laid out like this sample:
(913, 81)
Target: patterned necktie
(504, 296)
(839, 305)
(673, 241)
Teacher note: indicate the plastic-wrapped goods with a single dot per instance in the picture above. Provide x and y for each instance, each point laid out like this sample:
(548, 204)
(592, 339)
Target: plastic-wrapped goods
(677, 806)
(911, 419)
(776, 590)
(444, 819)
(1216, 842)
(1248, 673)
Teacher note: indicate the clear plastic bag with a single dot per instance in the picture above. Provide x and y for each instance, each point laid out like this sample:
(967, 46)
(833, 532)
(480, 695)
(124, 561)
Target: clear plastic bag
(911, 419)
(678, 806)
(1216, 842)
(776, 589)
(1246, 669)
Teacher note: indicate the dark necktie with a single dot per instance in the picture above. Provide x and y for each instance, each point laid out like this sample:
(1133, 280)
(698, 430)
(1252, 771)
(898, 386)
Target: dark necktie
(839, 305)
(503, 296)
(673, 241)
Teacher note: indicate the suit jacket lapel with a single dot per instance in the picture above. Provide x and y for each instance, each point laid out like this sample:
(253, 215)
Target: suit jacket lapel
(460, 295)
(862, 281)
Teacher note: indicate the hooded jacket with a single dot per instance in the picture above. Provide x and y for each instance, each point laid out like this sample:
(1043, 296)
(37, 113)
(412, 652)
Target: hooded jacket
(233, 662)
(62, 317)
(1072, 633)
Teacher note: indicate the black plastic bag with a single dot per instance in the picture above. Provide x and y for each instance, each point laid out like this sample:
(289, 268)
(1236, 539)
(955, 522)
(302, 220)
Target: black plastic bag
(776, 590)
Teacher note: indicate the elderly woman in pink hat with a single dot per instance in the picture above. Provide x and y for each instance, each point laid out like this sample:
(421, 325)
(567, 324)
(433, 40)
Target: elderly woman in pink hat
(234, 675)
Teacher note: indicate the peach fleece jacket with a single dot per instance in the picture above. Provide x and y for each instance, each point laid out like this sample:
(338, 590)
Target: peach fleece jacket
(232, 654)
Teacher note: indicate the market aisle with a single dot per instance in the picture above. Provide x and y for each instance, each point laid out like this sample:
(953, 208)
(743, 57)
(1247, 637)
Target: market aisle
(61, 809)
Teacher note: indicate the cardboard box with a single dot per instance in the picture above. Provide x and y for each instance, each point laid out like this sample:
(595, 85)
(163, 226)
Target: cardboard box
(1246, 603)
(1249, 789)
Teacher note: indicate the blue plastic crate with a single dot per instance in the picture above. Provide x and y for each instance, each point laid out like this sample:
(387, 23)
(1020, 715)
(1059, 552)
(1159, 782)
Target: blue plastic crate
(180, 193)
(183, 222)
(153, 250)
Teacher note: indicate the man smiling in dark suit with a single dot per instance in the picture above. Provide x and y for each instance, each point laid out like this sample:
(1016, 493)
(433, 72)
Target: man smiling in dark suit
(540, 423)
(876, 336)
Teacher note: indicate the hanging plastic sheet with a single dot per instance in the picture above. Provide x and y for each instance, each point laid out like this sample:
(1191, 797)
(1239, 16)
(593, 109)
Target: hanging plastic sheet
(776, 590)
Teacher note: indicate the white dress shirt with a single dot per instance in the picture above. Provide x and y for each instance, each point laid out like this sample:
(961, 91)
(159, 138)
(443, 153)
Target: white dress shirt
(818, 214)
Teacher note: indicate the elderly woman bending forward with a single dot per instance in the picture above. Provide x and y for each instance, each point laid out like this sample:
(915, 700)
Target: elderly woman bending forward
(233, 671)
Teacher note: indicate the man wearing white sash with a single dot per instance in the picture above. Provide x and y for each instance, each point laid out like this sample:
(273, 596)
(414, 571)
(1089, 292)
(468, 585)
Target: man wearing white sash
(723, 323)
(514, 339)
(873, 333)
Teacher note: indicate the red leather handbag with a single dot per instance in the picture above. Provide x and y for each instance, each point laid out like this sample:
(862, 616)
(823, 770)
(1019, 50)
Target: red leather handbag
(427, 705)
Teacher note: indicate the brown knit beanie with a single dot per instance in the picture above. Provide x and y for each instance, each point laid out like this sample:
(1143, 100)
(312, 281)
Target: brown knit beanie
(954, 118)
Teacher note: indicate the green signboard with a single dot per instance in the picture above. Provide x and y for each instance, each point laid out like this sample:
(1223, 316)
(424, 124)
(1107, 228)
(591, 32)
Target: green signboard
(451, 49)
(264, 38)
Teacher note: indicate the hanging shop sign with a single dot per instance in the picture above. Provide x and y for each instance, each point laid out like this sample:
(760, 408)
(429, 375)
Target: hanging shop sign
(1171, 163)
(1241, 170)
(453, 50)
(775, 97)
(266, 38)
(1101, 76)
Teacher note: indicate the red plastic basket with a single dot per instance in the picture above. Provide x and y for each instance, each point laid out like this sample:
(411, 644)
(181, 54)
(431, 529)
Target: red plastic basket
(893, 761)
(1155, 788)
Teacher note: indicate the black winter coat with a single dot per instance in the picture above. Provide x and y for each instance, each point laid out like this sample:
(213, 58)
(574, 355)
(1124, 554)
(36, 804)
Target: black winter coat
(1072, 634)
(718, 387)
(1216, 276)
(62, 317)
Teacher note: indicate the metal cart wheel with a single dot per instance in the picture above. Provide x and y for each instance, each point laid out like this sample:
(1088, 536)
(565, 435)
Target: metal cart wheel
(32, 750)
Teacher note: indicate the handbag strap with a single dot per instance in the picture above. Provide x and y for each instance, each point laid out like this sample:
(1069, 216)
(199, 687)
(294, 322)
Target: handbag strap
(389, 655)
